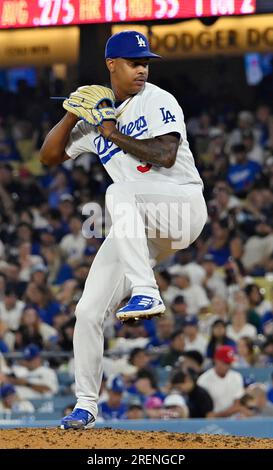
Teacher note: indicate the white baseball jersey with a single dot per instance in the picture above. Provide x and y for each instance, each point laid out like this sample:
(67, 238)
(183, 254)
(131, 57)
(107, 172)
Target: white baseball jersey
(150, 113)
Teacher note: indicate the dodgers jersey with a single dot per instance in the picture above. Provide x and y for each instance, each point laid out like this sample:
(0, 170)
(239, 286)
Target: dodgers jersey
(150, 113)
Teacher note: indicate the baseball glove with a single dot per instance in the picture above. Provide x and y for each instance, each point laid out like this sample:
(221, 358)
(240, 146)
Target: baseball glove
(92, 103)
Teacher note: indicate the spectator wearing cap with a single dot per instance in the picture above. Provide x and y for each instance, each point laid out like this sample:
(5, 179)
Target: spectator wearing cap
(11, 309)
(218, 338)
(32, 379)
(47, 237)
(225, 386)
(243, 173)
(193, 339)
(175, 407)
(66, 197)
(254, 150)
(39, 275)
(175, 350)
(197, 398)
(114, 408)
(73, 244)
(11, 402)
(153, 407)
(89, 254)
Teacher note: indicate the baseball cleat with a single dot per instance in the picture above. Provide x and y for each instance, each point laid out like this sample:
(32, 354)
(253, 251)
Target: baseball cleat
(78, 419)
(141, 307)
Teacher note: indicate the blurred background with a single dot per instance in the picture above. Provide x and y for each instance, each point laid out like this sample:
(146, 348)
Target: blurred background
(218, 62)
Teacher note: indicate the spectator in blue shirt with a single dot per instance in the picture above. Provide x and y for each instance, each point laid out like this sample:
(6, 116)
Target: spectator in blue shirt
(113, 407)
(243, 173)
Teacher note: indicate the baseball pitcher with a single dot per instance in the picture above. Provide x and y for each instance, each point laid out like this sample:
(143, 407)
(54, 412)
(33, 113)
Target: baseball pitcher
(138, 131)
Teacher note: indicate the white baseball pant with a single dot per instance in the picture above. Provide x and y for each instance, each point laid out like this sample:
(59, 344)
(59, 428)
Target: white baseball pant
(123, 265)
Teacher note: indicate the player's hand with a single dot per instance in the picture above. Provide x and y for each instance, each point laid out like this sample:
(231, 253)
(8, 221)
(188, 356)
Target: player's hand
(107, 128)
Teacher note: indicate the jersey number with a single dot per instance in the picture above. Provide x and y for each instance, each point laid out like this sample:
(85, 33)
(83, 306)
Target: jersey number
(144, 169)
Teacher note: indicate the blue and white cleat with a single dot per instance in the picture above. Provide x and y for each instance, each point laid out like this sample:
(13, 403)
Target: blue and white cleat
(78, 419)
(141, 307)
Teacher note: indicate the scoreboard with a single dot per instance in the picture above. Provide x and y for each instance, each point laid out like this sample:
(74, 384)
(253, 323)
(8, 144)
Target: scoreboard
(33, 13)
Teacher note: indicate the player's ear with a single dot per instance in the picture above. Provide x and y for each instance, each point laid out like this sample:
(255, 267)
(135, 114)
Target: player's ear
(110, 64)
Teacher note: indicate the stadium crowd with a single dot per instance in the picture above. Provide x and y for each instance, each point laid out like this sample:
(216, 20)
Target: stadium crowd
(218, 292)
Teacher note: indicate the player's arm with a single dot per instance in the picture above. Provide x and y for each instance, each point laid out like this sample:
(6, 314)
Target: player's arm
(160, 151)
(53, 149)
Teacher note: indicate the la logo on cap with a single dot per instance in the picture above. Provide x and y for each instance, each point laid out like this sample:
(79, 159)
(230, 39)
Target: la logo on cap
(140, 41)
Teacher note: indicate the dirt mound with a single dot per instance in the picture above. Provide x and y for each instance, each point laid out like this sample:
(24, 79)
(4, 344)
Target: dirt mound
(33, 438)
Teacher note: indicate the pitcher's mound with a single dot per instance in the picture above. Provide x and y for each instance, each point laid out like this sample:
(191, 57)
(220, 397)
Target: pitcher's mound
(34, 438)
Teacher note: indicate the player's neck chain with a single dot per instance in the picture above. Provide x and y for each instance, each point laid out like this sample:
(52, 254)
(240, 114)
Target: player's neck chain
(124, 107)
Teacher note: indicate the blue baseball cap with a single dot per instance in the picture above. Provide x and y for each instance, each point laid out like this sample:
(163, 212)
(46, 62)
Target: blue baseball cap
(6, 390)
(116, 384)
(128, 45)
(190, 321)
(31, 351)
